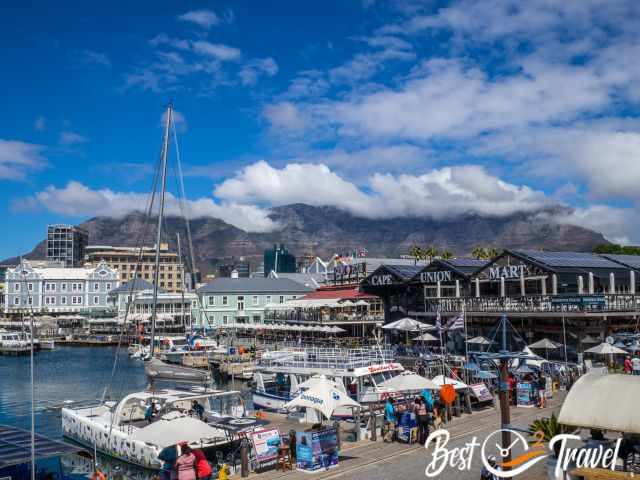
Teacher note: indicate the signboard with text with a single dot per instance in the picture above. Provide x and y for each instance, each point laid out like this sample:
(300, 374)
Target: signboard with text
(265, 445)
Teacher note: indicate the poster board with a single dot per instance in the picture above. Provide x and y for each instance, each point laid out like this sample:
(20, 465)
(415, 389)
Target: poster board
(317, 450)
(265, 445)
(407, 428)
(481, 392)
(525, 395)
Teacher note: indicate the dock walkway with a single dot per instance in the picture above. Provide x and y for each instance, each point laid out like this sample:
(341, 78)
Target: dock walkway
(368, 460)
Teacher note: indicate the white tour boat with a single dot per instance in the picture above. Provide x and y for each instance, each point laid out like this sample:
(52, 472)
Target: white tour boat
(360, 371)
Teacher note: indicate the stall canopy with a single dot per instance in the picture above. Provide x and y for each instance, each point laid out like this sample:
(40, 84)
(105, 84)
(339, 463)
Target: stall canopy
(457, 384)
(409, 382)
(606, 349)
(165, 433)
(546, 344)
(479, 341)
(407, 325)
(325, 396)
(426, 337)
(588, 403)
(589, 339)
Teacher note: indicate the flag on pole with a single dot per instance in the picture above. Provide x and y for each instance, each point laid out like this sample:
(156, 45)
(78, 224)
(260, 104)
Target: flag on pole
(457, 323)
(438, 321)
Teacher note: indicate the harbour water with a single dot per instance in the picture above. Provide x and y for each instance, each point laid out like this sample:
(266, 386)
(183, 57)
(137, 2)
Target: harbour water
(61, 375)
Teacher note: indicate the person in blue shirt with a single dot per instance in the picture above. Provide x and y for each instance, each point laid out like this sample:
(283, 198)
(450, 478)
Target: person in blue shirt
(390, 420)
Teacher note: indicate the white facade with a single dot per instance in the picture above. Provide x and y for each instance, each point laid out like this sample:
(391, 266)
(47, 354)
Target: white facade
(58, 290)
(176, 305)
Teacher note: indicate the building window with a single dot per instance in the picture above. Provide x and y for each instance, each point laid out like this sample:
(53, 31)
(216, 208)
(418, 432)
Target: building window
(211, 300)
(79, 287)
(256, 319)
(108, 287)
(240, 302)
(16, 287)
(63, 301)
(255, 300)
(53, 300)
(281, 298)
(53, 287)
(16, 301)
(96, 300)
(30, 300)
(63, 287)
(225, 319)
(96, 287)
(30, 287)
(268, 298)
(225, 301)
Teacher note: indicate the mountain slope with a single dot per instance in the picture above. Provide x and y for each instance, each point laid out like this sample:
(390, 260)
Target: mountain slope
(325, 231)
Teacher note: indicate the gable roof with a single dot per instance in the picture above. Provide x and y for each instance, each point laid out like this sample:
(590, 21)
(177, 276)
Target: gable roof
(311, 280)
(139, 284)
(464, 266)
(631, 261)
(254, 285)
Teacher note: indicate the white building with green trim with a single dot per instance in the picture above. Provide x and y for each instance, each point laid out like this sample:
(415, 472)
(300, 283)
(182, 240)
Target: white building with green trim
(243, 300)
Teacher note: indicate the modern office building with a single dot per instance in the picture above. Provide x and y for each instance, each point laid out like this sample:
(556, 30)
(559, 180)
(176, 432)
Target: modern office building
(241, 266)
(243, 300)
(279, 260)
(58, 290)
(66, 244)
(125, 259)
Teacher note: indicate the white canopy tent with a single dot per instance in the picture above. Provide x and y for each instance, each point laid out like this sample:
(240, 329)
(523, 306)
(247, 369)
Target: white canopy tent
(606, 349)
(166, 433)
(409, 382)
(426, 337)
(325, 396)
(479, 341)
(457, 384)
(597, 412)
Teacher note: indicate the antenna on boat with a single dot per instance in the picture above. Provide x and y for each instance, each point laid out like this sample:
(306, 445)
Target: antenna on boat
(163, 188)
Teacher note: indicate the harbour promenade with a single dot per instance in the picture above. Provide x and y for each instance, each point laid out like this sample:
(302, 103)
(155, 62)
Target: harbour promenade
(368, 460)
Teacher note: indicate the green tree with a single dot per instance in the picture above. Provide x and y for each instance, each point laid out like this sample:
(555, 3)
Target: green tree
(479, 252)
(446, 255)
(416, 252)
(430, 252)
(492, 253)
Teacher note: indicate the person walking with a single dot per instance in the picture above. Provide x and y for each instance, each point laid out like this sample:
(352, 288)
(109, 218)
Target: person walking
(628, 368)
(635, 365)
(542, 390)
(390, 420)
(185, 466)
(203, 469)
(422, 416)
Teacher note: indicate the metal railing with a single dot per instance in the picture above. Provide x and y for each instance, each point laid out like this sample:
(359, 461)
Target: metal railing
(327, 358)
(594, 303)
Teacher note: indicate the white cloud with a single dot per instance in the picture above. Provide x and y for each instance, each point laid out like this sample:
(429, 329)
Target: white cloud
(217, 50)
(164, 39)
(253, 69)
(17, 159)
(93, 58)
(284, 115)
(71, 138)
(447, 192)
(618, 224)
(78, 200)
(203, 18)
(40, 124)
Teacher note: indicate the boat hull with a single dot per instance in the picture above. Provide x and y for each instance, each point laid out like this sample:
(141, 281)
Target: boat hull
(275, 403)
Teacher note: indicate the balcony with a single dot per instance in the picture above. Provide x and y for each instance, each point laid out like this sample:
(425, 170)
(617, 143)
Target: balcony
(315, 317)
(547, 305)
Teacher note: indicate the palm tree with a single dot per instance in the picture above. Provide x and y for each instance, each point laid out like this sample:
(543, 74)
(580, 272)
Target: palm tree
(479, 253)
(430, 252)
(446, 255)
(416, 252)
(492, 253)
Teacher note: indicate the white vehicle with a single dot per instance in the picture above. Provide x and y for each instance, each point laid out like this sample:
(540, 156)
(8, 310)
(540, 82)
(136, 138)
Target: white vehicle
(360, 371)
(141, 425)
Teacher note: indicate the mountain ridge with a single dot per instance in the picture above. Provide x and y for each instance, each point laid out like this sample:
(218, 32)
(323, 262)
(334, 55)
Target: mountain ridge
(324, 231)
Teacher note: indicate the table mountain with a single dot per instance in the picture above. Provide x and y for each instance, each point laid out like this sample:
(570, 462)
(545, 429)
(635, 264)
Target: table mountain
(325, 231)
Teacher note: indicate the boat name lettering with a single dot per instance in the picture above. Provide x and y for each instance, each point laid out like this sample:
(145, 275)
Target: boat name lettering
(312, 399)
(435, 277)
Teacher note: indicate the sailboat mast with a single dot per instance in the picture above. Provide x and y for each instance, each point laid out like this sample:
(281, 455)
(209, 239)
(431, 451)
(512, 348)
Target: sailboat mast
(163, 186)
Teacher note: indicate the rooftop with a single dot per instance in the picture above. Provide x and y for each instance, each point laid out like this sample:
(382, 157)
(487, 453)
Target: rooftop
(337, 293)
(139, 284)
(253, 285)
(631, 261)
(578, 260)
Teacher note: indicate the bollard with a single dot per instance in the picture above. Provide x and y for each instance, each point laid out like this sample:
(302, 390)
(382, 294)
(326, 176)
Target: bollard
(374, 426)
(458, 408)
(467, 401)
(357, 425)
(244, 456)
(336, 425)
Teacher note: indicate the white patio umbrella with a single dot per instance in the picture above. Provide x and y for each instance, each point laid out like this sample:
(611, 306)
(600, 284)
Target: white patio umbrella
(335, 329)
(545, 344)
(409, 382)
(362, 303)
(479, 341)
(425, 337)
(606, 349)
(325, 396)
(347, 303)
(406, 325)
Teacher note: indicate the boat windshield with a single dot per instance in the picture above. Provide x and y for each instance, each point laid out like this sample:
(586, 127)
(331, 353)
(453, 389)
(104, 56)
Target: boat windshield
(381, 377)
(230, 404)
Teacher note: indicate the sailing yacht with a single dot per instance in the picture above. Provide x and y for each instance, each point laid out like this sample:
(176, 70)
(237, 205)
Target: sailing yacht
(141, 426)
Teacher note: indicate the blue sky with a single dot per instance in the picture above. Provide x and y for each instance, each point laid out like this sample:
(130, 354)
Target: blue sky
(413, 108)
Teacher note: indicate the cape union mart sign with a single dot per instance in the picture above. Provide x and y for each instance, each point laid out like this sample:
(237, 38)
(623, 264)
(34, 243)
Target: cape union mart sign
(435, 277)
(508, 271)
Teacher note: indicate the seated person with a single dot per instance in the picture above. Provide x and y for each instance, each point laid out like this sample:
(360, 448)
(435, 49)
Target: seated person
(197, 409)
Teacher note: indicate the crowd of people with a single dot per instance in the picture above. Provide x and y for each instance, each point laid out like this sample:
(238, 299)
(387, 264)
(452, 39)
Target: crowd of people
(425, 408)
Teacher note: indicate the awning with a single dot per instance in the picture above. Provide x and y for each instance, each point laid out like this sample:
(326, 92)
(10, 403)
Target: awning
(589, 403)
(164, 433)
(15, 447)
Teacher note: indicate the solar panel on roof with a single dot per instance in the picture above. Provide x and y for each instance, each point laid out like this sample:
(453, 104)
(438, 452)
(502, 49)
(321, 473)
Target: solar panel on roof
(632, 261)
(404, 271)
(569, 259)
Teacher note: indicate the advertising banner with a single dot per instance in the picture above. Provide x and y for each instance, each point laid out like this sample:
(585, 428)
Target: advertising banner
(525, 395)
(317, 450)
(265, 445)
(481, 392)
